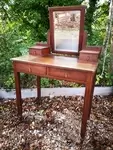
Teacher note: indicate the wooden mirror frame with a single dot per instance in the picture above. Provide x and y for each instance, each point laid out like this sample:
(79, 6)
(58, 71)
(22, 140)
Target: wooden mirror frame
(81, 30)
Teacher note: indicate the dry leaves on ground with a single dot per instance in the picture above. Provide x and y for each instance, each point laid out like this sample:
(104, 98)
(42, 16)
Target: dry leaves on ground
(55, 124)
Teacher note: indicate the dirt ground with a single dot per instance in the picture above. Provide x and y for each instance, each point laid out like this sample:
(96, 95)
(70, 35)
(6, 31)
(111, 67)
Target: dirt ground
(55, 124)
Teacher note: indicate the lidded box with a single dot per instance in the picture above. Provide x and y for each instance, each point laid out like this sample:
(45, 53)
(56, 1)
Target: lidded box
(39, 50)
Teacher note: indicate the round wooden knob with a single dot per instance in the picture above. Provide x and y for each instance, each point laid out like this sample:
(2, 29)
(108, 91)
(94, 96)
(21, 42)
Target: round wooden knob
(29, 69)
(88, 58)
(34, 52)
(66, 75)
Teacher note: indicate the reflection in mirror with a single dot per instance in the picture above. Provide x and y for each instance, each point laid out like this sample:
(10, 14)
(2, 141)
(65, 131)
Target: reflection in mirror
(66, 34)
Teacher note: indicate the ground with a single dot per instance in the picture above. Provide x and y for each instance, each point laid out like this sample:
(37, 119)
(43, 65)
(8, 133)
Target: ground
(55, 124)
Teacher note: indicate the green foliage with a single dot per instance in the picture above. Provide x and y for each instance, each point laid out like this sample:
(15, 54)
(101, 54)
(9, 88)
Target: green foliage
(107, 77)
(98, 28)
(89, 16)
(23, 23)
(34, 14)
(45, 82)
(12, 42)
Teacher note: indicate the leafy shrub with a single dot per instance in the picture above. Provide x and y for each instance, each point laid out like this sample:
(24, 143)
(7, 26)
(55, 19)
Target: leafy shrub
(22, 23)
(12, 44)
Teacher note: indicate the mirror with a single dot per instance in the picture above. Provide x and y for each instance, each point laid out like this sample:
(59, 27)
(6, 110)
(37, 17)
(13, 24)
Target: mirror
(66, 28)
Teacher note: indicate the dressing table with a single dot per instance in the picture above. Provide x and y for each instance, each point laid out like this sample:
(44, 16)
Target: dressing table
(53, 59)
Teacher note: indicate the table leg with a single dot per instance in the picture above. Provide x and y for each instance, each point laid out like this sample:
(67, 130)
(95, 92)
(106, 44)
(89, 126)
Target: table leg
(38, 88)
(87, 103)
(91, 98)
(18, 93)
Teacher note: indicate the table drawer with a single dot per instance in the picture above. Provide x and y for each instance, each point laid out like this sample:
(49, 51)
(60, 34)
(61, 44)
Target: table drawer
(32, 69)
(38, 70)
(72, 75)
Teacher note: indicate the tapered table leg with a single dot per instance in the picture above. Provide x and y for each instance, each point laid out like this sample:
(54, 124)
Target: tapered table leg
(18, 93)
(87, 103)
(38, 89)
(93, 85)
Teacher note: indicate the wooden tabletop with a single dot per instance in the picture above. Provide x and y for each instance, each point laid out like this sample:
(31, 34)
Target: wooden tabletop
(57, 61)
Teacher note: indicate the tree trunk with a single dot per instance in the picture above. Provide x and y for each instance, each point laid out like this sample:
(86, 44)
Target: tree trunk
(107, 39)
(111, 49)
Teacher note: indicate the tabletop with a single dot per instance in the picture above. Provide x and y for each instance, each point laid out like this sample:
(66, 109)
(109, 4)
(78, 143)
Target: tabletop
(57, 61)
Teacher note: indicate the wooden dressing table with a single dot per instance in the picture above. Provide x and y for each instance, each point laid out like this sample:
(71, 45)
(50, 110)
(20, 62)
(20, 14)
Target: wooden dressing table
(80, 68)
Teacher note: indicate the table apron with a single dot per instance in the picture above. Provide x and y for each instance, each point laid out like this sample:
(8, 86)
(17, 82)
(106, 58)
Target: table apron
(67, 74)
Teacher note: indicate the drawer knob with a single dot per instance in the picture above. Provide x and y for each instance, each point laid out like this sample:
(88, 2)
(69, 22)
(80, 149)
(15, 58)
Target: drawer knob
(29, 69)
(88, 58)
(66, 75)
(34, 52)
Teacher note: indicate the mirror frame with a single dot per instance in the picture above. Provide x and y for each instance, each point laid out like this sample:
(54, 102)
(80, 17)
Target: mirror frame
(80, 8)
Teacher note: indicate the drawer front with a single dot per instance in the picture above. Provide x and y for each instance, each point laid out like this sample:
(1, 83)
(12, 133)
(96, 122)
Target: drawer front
(31, 69)
(22, 67)
(34, 52)
(88, 58)
(71, 75)
(41, 52)
(40, 70)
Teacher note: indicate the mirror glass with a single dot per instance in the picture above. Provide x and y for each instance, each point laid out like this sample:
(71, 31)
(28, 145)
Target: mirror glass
(66, 30)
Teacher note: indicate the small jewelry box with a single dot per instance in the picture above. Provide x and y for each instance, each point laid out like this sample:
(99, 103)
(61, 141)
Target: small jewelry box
(39, 50)
(88, 56)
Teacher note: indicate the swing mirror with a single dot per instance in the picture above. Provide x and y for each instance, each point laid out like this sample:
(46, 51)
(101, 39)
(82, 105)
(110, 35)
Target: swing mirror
(66, 28)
